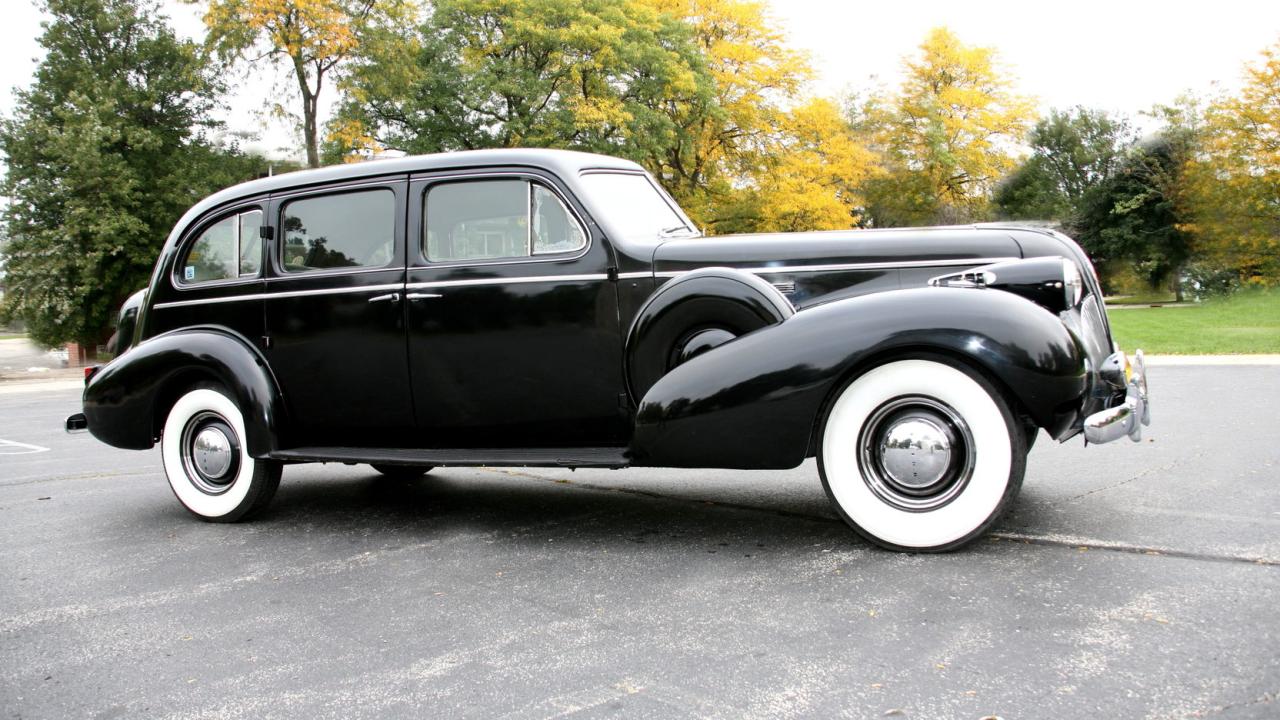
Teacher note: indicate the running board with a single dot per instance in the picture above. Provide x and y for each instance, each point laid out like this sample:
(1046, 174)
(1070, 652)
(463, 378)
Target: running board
(601, 457)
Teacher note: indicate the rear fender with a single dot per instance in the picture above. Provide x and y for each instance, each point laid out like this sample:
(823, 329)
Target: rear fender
(756, 401)
(125, 400)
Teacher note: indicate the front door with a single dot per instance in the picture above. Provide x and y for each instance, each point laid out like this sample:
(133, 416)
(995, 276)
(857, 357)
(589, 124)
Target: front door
(513, 322)
(335, 315)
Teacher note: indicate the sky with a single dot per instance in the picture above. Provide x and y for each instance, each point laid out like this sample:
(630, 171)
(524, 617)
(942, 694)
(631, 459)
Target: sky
(1118, 55)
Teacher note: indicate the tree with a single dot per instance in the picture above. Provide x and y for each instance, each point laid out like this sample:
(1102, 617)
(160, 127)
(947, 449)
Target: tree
(1134, 215)
(102, 158)
(947, 135)
(1233, 180)
(697, 92)
(811, 176)
(729, 128)
(311, 37)
(512, 73)
(1071, 152)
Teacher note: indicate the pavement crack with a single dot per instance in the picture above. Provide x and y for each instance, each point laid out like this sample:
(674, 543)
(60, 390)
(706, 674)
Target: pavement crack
(1062, 541)
(1068, 541)
(82, 476)
(1262, 699)
(1149, 471)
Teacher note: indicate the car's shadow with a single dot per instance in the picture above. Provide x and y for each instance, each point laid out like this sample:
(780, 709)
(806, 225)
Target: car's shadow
(525, 508)
(537, 510)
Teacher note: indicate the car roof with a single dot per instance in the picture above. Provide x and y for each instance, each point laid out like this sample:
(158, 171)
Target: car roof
(563, 163)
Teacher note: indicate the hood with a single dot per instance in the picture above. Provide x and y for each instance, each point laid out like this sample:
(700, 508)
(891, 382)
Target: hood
(783, 251)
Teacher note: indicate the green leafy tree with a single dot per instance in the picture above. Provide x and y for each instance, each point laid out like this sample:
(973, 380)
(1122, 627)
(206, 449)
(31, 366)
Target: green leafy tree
(103, 155)
(1071, 153)
(1134, 215)
(580, 74)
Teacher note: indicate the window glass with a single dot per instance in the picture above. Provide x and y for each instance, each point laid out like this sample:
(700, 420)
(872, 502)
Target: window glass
(213, 255)
(478, 220)
(355, 229)
(250, 243)
(489, 219)
(633, 204)
(554, 229)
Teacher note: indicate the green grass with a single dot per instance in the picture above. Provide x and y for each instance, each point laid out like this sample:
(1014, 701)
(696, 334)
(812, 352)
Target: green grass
(11, 336)
(1247, 322)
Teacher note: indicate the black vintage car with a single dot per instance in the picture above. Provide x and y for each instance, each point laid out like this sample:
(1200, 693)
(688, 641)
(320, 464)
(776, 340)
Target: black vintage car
(537, 307)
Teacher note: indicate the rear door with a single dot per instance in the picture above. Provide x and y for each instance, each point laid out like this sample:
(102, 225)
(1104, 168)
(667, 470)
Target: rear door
(335, 314)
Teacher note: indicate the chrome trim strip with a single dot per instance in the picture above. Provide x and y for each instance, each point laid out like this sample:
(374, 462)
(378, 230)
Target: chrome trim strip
(579, 278)
(506, 281)
(208, 301)
(337, 272)
(288, 294)
(333, 291)
(634, 275)
(772, 270)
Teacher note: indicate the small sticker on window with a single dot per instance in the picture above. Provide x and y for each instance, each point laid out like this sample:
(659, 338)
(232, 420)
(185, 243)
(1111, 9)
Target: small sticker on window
(189, 272)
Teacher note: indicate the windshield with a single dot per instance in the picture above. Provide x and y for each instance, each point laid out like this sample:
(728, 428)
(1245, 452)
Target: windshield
(634, 206)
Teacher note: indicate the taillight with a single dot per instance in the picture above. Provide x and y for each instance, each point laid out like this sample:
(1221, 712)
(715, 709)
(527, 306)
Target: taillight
(89, 372)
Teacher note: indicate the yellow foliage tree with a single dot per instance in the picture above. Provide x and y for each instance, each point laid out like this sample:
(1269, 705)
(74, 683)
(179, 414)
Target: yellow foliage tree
(947, 135)
(815, 170)
(722, 131)
(1233, 182)
(310, 37)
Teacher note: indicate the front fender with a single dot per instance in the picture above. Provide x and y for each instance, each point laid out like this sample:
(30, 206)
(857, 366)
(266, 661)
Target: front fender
(123, 400)
(755, 402)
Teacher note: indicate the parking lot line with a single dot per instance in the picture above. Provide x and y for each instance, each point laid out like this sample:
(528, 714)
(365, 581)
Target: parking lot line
(13, 447)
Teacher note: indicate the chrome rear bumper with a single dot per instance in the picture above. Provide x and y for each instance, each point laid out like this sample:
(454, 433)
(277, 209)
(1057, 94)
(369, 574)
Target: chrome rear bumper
(1128, 417)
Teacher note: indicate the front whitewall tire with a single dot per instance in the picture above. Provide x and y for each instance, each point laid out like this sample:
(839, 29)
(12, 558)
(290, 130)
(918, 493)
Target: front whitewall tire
(252, 483)
(996, 455)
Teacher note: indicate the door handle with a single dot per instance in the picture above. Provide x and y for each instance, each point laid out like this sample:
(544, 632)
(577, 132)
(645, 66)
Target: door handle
(389, 297)
(422, 296)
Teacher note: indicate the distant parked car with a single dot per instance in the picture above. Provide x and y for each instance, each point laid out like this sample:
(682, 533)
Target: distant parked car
(537, 307)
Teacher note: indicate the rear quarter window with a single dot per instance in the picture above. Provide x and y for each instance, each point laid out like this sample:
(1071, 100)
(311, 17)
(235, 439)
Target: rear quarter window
(229, 249)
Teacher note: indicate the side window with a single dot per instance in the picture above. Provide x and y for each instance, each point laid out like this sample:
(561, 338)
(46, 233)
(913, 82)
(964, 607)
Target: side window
(230, 248)
(353, 229)
(554, 228)
(250, 243)
(494, 219)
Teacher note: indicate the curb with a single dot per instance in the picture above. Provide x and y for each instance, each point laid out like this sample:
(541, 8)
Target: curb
(14, 387)
(1169, 360)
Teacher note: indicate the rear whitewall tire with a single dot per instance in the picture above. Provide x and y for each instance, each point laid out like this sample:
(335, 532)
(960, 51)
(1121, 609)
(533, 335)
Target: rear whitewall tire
(246, 488)
(983, 490)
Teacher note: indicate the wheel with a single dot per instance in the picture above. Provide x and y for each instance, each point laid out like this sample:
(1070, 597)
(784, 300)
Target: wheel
(403, 472)
(206, 460)
(692, 314)
(921, 455)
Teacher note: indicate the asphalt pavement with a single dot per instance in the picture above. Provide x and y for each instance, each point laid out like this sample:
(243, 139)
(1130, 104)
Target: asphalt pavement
(1130, 581)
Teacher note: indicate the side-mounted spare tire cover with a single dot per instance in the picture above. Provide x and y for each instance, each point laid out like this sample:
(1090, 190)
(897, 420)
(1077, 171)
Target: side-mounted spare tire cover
(693, 313)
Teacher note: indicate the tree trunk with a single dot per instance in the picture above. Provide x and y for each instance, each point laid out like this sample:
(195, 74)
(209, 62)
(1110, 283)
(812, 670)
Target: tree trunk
(310, 100)
(309, 130)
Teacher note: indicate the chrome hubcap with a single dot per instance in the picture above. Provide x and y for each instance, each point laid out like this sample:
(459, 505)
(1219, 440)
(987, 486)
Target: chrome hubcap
(916, 453)
(210, 453)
